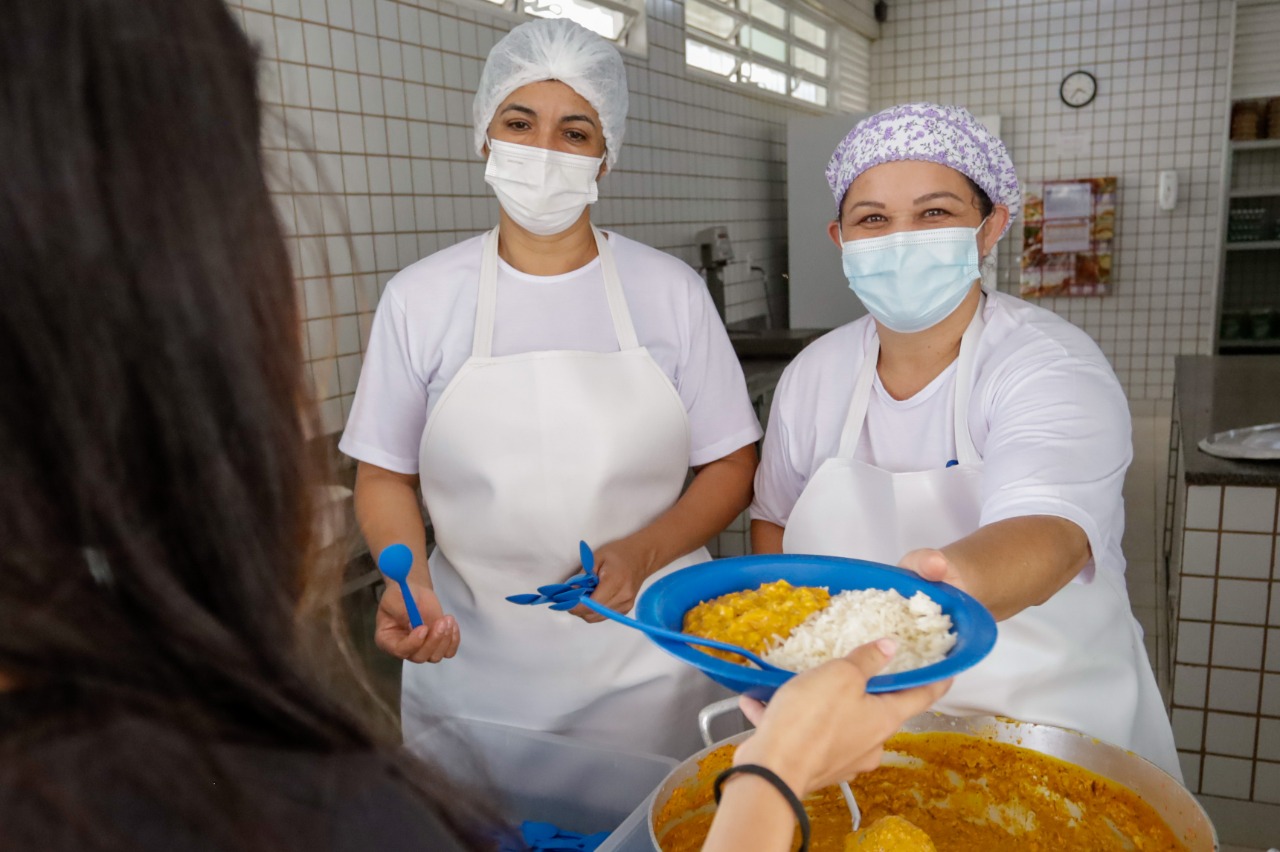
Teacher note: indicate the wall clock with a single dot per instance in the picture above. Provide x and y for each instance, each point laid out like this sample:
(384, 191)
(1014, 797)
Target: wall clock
(1078, 89)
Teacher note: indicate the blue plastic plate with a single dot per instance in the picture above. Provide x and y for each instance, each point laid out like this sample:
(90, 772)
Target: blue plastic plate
(666, 601)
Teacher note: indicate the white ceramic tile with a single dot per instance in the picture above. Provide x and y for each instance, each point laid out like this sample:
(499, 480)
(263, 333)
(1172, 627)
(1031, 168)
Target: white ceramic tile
(294, 85)
(1190, 764)
(366, 293)
(1199, 552)
(362, 253)
(340, 13)
(325, 133)
(1236, 691)
(1245, 555)
(324, 374)
(1274, 618)
(1190, 685)
(388, 19)
(364, 18)
(1269, 739)
(366, 323)
(1230, 735)
(343, 50)
(406, 249)
(384, 220)
(379, 173)
(290, 43)
(1193, 642)
(1188, 728)
(1249, 509)
(384, 251)
(339, 257)
(1271, 695)
(1273, 650)
(323, 93)
(1266, 785)
(1195, 600)
(1241, 601)
(361, 220)
(349, 372)
(319, 51)
(1238, 646)
(331, 419)
(1227, 776)
(315, 10)
(347, 335)
(320, 338)
(317, 299)
(1203, 505)
(351, 131)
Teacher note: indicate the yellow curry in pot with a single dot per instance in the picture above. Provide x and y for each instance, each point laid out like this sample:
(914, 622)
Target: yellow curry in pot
(960, 793)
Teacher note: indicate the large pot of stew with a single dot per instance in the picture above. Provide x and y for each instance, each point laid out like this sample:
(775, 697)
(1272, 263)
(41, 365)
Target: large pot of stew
(962, 784)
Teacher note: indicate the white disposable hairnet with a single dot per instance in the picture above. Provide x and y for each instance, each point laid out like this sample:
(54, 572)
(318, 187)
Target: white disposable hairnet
(556, 49)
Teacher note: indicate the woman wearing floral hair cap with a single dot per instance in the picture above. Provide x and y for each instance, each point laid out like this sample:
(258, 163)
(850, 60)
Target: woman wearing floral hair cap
(964, 434)
(544, 383)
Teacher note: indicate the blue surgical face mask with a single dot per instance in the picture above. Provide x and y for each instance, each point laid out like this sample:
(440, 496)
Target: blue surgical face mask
(912, 280)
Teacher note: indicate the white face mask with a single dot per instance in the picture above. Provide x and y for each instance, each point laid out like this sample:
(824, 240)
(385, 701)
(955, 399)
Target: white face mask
(913, 280)
(544, 191)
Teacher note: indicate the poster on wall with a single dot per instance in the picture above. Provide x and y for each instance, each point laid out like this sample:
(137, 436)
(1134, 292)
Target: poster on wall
(1068, 227)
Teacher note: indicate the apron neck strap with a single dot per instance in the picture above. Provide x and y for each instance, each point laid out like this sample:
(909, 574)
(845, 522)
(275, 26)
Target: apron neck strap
(487, 298)
(966, 453)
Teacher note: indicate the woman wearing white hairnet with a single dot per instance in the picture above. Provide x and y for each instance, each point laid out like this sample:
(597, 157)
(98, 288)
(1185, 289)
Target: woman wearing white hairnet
(546, 383)
(965, 434)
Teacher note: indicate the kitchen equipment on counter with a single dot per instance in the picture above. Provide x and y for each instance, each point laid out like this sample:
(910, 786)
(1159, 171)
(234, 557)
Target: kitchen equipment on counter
(665, 603)
(716, 251)
(1255, 443)
(395, 561)
(1172, 802)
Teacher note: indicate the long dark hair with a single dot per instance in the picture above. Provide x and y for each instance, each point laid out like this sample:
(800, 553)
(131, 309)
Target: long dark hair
(155, 511)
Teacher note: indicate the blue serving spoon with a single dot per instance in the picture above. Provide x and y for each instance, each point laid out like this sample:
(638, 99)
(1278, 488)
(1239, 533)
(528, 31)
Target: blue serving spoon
(395, 562)
(564, 596)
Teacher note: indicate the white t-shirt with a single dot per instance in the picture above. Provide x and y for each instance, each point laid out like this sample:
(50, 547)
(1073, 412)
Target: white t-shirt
(1047, 416)
(424, 325)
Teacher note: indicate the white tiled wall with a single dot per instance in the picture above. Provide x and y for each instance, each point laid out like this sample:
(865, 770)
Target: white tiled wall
(1163, 82)
(383, 88)
(1226, 684)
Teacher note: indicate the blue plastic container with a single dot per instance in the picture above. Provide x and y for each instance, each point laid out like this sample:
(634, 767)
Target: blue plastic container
(665, 603)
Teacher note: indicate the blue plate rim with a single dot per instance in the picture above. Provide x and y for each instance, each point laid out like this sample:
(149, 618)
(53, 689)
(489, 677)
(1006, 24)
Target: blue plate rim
(972, 646)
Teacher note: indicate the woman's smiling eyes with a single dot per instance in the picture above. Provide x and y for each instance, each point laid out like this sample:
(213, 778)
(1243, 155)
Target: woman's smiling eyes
(931, 213)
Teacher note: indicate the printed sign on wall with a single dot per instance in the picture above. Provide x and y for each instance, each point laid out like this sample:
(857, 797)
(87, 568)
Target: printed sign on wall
(1068, 227)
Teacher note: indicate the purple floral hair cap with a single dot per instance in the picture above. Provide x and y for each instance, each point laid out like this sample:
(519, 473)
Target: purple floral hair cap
(948, 135)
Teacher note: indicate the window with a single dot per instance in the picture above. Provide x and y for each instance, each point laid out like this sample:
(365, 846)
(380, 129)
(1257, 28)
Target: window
(620, 21)
(761, 43)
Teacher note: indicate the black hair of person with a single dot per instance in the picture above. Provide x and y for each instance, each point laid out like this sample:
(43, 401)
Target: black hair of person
(156, 548)
(980, 200)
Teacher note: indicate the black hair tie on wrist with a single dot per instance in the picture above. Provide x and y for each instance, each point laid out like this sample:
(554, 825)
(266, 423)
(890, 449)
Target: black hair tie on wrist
(780, 785)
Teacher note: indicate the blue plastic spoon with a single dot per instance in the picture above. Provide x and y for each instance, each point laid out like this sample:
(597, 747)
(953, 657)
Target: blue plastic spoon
(395, 562)
(589, 564)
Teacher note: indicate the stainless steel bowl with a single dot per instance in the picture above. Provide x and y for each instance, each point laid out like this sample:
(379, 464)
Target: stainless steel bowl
(1171, 801)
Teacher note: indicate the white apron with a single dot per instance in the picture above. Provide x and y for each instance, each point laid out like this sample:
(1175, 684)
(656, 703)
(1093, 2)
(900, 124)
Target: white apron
(1077, 661)
(522, 457)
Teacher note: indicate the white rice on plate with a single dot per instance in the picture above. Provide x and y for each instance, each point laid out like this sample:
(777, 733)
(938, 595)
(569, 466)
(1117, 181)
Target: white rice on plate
(854, 618)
